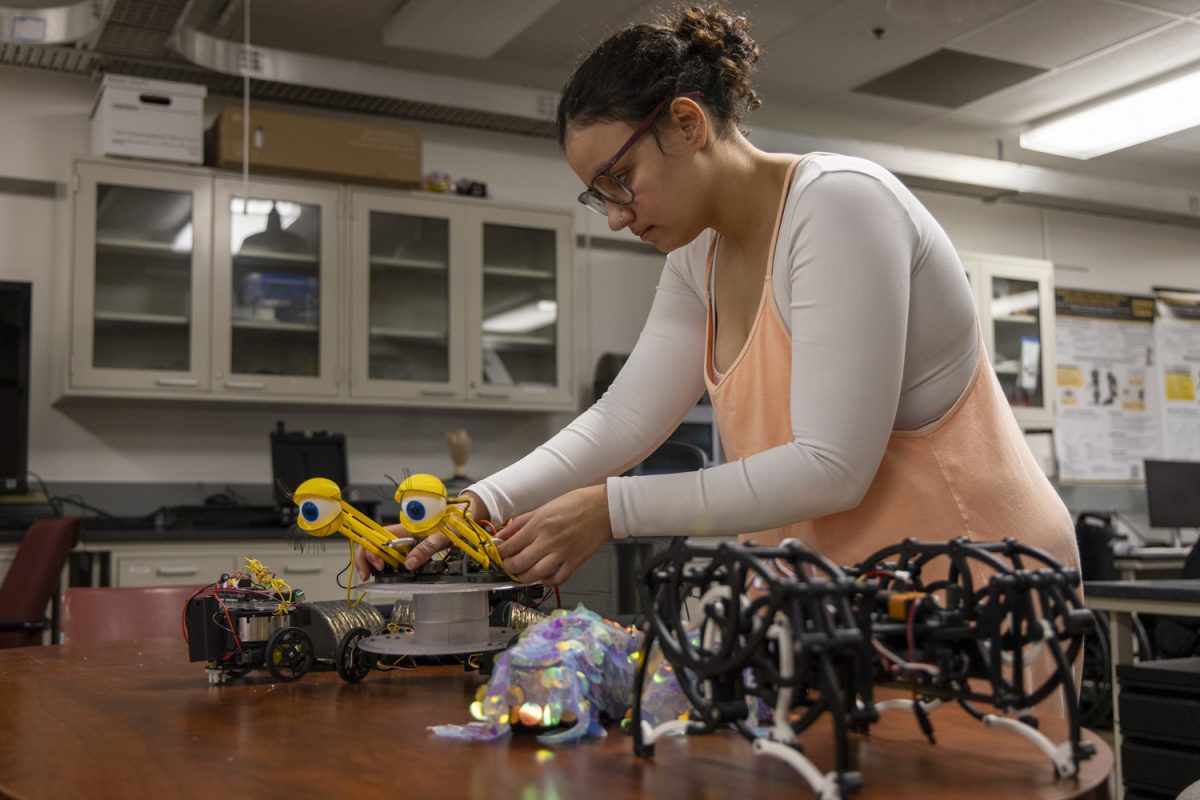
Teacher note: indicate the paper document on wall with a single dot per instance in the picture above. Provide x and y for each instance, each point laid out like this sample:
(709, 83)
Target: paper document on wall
(1177, 341)
(1106, 419)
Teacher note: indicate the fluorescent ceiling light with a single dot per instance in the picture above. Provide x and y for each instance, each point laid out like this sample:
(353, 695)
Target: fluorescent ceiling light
(523, 319)
(1140, 116)
(1012, 304)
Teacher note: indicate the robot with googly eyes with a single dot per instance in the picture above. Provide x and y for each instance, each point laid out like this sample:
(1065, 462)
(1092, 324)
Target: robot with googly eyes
(425, 509)
(449, 595)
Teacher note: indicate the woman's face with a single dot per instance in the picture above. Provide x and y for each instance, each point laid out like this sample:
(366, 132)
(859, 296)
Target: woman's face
(664, 211)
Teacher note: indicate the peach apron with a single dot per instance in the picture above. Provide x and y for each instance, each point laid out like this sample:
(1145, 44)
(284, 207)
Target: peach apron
(970, 473)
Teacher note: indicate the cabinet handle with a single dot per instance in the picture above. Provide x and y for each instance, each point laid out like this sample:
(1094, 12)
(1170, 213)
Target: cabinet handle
(437, 393)
(182, 382)
(175, 572)
(493, 396)
(313, 570)
(244, 385)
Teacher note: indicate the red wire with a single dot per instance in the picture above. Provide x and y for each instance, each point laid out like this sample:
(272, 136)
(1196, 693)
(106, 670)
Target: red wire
(229, 619)
(183, 611)
(912, 656)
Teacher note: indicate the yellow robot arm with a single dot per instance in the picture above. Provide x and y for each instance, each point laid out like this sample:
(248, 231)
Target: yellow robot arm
(323, 512)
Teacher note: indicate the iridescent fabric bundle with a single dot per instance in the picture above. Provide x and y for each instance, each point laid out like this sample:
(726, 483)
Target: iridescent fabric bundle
(567, 674)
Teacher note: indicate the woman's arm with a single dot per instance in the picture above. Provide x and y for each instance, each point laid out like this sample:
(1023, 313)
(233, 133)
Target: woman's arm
(660, 382)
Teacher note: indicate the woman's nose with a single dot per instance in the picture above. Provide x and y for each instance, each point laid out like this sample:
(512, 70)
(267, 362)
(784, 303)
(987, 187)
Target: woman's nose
(617, 216)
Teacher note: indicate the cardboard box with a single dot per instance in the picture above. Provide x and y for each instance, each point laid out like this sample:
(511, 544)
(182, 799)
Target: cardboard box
(298, 144)
(142, 118)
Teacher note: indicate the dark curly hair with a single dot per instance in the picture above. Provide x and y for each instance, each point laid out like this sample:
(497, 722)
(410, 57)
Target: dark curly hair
(700, 48)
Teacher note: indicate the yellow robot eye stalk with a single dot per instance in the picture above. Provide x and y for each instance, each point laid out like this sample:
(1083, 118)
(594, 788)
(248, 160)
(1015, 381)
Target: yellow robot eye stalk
(319, 502)
(422, 500)
(421, 511)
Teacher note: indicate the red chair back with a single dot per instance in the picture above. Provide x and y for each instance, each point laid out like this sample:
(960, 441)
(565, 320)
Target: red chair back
(33, 577)
(116, 614)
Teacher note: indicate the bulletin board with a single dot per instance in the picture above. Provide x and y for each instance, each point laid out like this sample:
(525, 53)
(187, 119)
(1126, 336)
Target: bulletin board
(1108, 417)
(1177, 343)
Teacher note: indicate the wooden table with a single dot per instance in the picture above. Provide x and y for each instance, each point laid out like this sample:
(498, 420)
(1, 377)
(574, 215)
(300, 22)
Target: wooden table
(1121, 600)
(138, 720)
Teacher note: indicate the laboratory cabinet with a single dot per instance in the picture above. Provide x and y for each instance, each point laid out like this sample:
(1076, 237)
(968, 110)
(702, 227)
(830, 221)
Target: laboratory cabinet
(190, 283)
(459, 301)
(1015, 300)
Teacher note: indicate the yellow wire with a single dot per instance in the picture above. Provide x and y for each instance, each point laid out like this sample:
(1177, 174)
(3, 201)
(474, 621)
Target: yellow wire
(350, 581)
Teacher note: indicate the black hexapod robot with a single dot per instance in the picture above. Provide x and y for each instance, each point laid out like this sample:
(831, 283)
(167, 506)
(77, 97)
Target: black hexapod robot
(781, 636)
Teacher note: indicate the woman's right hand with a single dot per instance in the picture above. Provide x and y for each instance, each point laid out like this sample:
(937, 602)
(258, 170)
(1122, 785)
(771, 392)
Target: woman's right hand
(425, 549)
(364, 559)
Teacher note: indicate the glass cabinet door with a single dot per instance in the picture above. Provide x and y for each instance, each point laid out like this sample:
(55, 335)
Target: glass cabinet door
(520, 290)
(408, 281)
(140, 297)
(1017, 340)
(274, 288)
(1015, 299)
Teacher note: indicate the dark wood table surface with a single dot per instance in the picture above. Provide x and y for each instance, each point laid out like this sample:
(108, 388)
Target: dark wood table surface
(137, 720)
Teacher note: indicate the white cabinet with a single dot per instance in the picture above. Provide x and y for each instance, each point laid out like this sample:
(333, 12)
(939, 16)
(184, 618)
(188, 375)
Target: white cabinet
(140, 307)
(408, 263)
(457, 301)
(1015, 300)
(158, 564)
(520, 341)
(275, 288)
(187, 283)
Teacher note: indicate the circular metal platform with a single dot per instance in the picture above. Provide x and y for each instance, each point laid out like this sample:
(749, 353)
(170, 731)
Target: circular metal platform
(436, 587)
(405, 644)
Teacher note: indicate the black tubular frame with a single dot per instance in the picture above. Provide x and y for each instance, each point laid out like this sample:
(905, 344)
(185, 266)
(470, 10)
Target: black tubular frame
(783, 630)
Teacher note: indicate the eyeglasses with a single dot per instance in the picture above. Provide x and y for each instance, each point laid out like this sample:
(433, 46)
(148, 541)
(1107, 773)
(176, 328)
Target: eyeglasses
(607, 188)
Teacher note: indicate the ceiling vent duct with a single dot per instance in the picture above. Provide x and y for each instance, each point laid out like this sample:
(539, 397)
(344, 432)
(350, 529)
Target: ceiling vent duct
(373, 89)
(54, 25)
(315, 81)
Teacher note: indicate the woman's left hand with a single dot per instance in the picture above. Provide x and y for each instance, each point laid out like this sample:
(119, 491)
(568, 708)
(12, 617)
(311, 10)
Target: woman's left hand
(549, 543)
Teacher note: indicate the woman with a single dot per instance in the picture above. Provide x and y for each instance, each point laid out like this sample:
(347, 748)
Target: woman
(815, 298)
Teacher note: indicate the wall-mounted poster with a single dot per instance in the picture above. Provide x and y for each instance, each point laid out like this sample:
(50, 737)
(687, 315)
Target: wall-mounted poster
(1106, 405)
(1177, 341)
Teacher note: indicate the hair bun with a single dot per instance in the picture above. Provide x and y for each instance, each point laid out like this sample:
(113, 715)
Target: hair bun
(723, 39)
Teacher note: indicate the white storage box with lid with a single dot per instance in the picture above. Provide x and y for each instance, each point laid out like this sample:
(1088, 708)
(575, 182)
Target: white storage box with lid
(143, 118)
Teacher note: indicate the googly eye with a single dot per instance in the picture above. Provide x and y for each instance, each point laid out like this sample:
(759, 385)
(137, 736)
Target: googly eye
(317, 512)
(420, 511)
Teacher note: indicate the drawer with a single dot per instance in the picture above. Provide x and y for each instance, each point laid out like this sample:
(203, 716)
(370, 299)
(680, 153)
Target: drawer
(315, 573)
(1154, 767)
(1166, 717)
(170, 570)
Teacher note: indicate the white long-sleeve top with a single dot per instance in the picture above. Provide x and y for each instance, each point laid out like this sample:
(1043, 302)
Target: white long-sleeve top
(884, 336)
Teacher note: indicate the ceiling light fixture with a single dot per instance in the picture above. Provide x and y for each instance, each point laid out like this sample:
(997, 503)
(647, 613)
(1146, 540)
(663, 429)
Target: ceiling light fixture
(1130, 119)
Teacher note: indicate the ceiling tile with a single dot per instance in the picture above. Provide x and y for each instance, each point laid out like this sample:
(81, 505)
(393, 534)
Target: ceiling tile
(835, 50)
(1056, 33)
(1061, 89)
(856, 116)
(949, 78)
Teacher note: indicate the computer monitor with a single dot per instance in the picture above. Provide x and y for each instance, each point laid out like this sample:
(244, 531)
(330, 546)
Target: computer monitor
(297, 456)
(1173, 494)
(14, 385)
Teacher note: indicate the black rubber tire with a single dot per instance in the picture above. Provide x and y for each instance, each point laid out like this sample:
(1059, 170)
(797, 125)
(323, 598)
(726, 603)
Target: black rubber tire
(289, 655)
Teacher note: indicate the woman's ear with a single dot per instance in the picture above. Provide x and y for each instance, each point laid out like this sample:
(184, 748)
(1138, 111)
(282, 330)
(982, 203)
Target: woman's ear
(692, 122)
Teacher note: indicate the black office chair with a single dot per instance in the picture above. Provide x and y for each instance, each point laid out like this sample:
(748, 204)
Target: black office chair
(671, 456)
(1179, 637)
(1094, 533)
